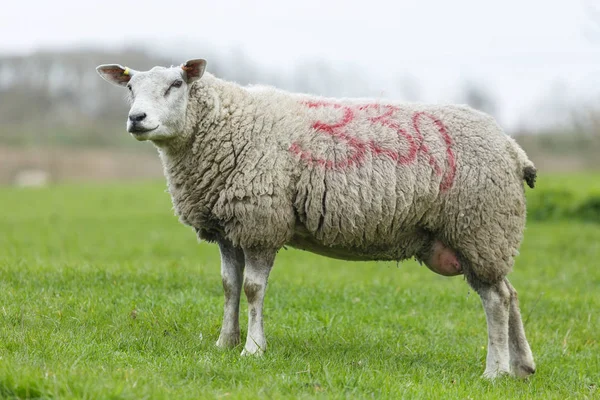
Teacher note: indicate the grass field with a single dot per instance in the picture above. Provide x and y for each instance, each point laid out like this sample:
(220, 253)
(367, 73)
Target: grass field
(104, 295)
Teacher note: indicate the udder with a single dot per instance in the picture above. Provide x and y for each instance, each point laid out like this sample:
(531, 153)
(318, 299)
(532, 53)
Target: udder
(443, 260)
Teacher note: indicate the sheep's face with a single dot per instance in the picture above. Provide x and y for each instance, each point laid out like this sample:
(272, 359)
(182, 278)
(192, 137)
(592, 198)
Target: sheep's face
(158, 97)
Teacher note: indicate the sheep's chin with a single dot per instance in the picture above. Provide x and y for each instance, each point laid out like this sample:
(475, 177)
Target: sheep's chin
(155, 135)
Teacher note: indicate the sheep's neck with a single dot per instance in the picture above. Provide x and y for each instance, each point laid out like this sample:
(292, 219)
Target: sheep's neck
(198, 164)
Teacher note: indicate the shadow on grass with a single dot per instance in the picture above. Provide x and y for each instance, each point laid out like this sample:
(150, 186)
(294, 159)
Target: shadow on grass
(369, 353)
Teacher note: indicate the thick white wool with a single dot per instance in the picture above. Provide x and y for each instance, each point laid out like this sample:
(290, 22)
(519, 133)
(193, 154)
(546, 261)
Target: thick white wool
(348, 178)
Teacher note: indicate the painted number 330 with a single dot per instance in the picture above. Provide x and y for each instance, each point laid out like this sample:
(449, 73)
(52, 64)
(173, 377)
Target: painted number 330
(359, 148)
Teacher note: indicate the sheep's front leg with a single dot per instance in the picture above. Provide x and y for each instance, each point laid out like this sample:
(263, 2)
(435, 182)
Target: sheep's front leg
(232, 269)
(496, 300)
(256, 274)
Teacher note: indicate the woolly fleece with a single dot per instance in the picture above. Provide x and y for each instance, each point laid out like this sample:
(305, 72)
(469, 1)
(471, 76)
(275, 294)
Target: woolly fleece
(265, 168)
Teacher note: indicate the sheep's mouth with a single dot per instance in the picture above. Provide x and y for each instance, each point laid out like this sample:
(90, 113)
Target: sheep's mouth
(140, 130)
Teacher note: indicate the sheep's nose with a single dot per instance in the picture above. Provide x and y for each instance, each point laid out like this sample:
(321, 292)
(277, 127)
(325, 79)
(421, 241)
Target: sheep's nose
(137, 117)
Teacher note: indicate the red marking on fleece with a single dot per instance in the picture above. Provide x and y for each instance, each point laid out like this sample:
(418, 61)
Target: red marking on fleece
(448, 178)
(335, 130)
(385, 120)
(359, 147)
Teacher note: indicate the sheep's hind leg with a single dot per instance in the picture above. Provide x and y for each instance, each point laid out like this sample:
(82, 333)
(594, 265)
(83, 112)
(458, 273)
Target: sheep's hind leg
(521, 359)
(496, 300)
(256, 274)
(232, 268)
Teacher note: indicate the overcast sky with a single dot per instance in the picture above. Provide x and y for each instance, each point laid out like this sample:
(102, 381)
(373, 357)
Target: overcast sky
(523, 51)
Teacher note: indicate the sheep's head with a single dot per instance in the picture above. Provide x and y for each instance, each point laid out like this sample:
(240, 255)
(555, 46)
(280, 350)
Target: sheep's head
(158, 97)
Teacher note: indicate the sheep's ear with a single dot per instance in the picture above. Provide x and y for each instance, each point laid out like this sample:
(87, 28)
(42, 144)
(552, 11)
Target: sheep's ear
(115, 73)
(193, 69)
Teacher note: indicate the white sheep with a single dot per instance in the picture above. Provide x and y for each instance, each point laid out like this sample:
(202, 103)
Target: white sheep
(256, 168)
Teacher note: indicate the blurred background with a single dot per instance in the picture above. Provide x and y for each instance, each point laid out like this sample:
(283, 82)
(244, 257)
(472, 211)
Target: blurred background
(534, 65)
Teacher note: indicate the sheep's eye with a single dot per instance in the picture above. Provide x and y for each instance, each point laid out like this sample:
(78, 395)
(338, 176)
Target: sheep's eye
(129, 87)
(175, 84)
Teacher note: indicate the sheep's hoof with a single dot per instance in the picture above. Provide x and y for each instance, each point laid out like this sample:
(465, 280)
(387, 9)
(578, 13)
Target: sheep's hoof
(523, 371)
(494, 374)
(227, 341)
(253, 351)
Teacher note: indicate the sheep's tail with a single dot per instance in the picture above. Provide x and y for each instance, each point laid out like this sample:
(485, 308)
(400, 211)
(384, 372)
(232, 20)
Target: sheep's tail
(525, 165)
(529, 174)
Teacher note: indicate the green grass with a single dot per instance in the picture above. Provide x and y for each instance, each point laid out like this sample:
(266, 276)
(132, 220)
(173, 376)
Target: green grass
(580, 185)
(104, 295)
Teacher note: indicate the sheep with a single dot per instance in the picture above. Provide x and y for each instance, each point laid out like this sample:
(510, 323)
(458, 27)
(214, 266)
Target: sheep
(256, 168)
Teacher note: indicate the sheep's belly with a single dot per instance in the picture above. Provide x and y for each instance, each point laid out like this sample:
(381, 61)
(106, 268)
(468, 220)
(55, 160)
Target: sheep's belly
(302, 240)
(333, 252)
(438, 257)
